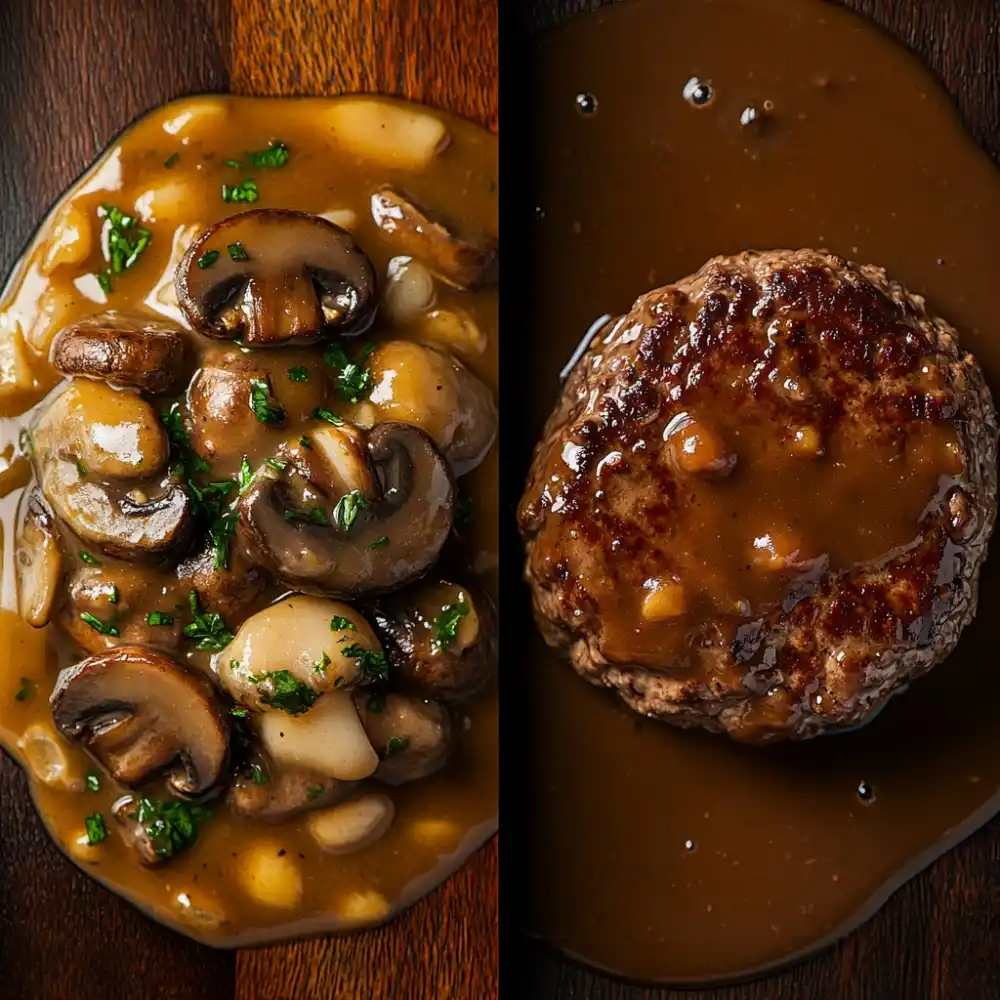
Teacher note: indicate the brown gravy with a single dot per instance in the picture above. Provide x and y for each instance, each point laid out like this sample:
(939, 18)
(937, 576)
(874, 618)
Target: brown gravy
(678, 856)
(169, 169)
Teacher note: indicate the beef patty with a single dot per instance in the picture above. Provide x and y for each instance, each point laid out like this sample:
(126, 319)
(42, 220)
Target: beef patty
(764, 499)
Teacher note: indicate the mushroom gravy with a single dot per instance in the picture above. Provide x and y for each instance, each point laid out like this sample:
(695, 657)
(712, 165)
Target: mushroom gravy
(339, 406)
(666, 134)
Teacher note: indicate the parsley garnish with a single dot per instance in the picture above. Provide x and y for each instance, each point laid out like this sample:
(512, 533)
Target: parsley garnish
(81, 468)
(170, 826)
(247, 191)
(396, 744)
(188, 461)
(171, 160)
(299, 373)
(263, 404)
(96, 828)
(237, 251)
(354, 381)
(25, 443)
(314, 515)
(126, 243)
(86, 557)
(92, 782)
(372, 664)
(105, 628)
(321, 413)
(338, 623)
(208, 258)
(446, 624)
(278, 464)
(223, 531)
(257, 774)
(345, 513)
(207, 628)
(26, 691)
(282, 690)
(159, 618)
(276, 155)
(113, 594)
(379, 542)
(304, 442)
(239, 712)
(233, 163)
(320, 665)
(246, 474)
(315, 791)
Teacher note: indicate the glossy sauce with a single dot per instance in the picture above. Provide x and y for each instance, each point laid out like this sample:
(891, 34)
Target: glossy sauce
(667, 134)
(169, 170)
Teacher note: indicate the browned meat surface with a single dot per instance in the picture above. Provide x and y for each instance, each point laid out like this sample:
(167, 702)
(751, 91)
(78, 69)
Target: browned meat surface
(763, 501)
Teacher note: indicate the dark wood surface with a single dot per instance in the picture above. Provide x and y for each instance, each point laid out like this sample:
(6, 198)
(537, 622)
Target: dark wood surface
(73, 73)
(937, 938)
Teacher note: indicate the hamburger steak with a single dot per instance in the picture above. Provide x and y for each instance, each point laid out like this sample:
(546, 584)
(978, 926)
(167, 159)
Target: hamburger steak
(763, 501)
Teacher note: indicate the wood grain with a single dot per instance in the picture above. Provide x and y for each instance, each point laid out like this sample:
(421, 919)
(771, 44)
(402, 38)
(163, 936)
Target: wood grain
(75, 72)
(936, 938)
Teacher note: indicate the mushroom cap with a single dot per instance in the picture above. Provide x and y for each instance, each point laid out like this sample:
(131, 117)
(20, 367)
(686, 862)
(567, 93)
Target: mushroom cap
(38, 560)
(301, 277)
(412, 513)
(125, 350)
(427, 658)
(139, 713)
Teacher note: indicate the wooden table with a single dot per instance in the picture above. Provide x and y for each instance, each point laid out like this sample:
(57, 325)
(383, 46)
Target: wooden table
(938, 938)
(74, 73)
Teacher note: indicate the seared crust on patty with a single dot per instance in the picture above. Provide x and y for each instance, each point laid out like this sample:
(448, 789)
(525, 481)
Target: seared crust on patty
(782, 340)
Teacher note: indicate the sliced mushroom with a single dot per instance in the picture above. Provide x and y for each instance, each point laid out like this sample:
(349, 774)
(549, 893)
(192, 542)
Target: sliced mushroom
(320, 645)
(291, 277)
(270, 793)
(441, 638)
(135, 833)
(117, 600)
(411, 736)
(328, 739)
(129, 351)
(427, 387)
(94, 431)
(39, 562)
(230, 590)
(138, 713)
(466, 264)
(372, 544)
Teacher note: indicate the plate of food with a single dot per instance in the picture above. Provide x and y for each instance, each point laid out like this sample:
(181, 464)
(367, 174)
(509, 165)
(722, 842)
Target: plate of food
(249, 391)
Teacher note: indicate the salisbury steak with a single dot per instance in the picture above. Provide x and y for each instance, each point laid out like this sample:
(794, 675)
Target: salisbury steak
(763, 502)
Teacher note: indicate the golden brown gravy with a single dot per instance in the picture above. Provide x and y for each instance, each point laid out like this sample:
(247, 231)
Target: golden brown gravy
(438, 821)
(678, 856)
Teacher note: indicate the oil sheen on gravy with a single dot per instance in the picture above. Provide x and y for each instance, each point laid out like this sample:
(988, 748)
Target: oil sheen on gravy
(168, 170)
(679, 856)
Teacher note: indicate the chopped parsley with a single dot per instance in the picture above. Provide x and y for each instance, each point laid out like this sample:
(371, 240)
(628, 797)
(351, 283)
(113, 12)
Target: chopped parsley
(282, 690)
(320, 665)
(159, 618)
(26, 691)
(86, 557)
(25, 442)
(81, 468)
(92, 782)
(97, 830)
(113, 594)
(276, 155)
(396, 744)
(126, 243)
(338, 623)
(257, 774)
(321, 413)
(171, 160)
(207, 627)
(239, 712)
(314, 515)
(246, 191)
(245, 474)
(265, 407)
(170, 826)
(315, 791)
(299, 373)
(446, 624)
(304, 442)
(208, 258)
(354, 381)
(187, 462)
(380, 542)
(222, 532)
(105, 628)
(345, 513)
(372, 664)
(233, 163)
(278, 464)
(237, 251)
